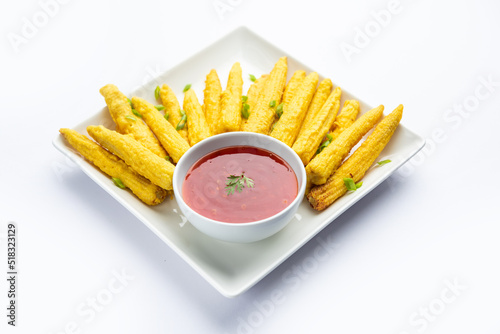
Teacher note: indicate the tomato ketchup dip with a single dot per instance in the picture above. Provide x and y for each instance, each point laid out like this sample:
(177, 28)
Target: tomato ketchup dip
(205, 189)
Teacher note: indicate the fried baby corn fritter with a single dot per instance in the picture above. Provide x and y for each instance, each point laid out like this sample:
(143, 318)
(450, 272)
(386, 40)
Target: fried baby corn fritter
(212, 102)
(320, 97)
(115, 167)
(253, 96)
(171, 140)
(231, 100)
(127, 122)
(345, 119)
(196, 121)
(288, 126)
(173, 109)
(308, 141)
(358, 163)
(157, 170)
(262, 117)
(327, 161)
(292, 86)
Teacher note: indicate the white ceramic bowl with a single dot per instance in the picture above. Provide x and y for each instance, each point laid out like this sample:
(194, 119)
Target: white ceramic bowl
(241, 232)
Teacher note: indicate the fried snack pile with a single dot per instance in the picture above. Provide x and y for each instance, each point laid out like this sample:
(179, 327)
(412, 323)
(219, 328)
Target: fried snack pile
(141, 154)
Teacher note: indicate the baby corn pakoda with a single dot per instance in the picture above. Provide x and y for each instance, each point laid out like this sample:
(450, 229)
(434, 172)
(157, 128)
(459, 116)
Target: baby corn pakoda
(358, 163)
(292, 86)
(127, 122)
(288, 126)
(197, 124)
(327, 161)
(158, 170)
(231, 100)
(345, 119)
(212, 102)
(319, 98)
(253, 96)
(171, 140)
(262, 117)
(309, 140)
(173, 110)
(115, 167)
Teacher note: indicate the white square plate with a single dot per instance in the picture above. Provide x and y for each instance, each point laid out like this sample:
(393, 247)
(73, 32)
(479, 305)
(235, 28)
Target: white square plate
(234, 268)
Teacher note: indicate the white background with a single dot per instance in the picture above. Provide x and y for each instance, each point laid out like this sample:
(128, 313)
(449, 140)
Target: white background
(431, 225)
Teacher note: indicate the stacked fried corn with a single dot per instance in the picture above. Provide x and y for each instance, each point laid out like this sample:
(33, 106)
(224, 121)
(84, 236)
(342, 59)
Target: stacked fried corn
(141, 153)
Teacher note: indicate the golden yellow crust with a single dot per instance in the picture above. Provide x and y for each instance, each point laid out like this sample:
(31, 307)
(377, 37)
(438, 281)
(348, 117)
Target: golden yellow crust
(212, 102)
(157, 170)
(262, 117)
(127, 122)
(291, 87)
(171, 140)
(345, 119)
(115, 167)
(321, 95)
(231, 100)
(358, 163)
(197, 124)
(309, 140)
(253, 96)
(288, 126)
(327, 161)
(172, 108)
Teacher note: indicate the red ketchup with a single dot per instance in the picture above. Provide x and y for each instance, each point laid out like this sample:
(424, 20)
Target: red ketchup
(274, 185)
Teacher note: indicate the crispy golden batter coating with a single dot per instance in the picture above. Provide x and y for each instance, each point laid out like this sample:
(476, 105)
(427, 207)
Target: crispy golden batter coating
(262, 117)
(291, 87)
(212, 102)
(171, 140)
(115, 167)
(327, 161)
(197, 124)
(157, 170)
(127, 122)
(320, 97)
(173, 109)
(288, 126)
(358, 163)
(231, 100)
(345, 119)
(253, 96)
(309, 140)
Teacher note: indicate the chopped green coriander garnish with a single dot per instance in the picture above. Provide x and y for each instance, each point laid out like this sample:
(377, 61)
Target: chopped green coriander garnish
(131, 117)
(186, 88)
(350, 185)
(159, 107)
(272, 104)
(244, 98)
(166, 115)
(245, 113)
(383, 162)
(167, 158)
(325, 144)
(129, 102)
(118, 183)
(235, 182)
(157, 92)
(279, 110)
(135, 112)
(182, 122)
(252, 77)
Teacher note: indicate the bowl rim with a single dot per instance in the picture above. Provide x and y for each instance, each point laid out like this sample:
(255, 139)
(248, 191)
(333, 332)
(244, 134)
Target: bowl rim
(300, 192)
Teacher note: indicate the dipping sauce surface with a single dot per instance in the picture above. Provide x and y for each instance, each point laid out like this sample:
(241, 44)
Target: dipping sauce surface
(205, 188)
